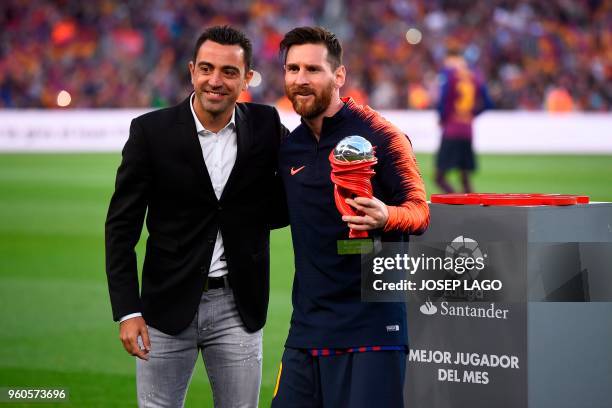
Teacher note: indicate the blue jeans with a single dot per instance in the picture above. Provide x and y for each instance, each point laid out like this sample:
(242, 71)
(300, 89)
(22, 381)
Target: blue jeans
(232, 357)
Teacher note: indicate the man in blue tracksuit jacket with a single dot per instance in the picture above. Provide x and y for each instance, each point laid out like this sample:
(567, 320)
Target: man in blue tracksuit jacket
(340, 352)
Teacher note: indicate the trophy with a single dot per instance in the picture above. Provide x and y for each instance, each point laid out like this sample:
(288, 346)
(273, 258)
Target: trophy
(352, 161)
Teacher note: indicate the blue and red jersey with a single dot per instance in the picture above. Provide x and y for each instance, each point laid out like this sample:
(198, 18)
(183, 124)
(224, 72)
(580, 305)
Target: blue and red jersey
(328, 313)
(462, 97)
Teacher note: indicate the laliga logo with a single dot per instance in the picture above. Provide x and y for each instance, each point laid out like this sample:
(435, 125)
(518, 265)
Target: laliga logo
(428, 308)
(467, 256)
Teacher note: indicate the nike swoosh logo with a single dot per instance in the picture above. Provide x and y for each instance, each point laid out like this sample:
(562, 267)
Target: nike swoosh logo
(296, 171)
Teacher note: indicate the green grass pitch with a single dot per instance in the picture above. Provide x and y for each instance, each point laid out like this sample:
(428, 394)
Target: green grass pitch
(54, 308)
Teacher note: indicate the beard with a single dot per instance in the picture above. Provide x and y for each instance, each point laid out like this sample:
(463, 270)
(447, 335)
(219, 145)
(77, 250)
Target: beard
(312, 108)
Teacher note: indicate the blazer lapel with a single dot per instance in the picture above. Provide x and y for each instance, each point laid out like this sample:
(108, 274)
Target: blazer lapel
(243, 133)
(188, 136)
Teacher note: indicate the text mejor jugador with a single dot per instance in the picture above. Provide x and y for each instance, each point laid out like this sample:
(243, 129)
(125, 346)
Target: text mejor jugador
(464, 359)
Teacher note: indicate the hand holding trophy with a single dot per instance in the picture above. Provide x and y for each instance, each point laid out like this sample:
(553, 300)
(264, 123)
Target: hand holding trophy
(352, 161)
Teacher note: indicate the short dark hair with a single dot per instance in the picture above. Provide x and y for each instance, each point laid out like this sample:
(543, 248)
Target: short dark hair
(226, 35)
(313, 35)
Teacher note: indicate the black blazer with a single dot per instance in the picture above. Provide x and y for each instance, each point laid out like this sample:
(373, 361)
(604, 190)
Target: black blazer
(163, 174)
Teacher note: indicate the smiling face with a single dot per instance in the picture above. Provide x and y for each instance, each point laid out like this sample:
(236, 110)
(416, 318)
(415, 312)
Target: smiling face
(218, 76)
(310, 80)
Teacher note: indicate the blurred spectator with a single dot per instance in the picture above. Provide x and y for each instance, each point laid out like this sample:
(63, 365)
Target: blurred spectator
(284, 104)
(418, 97)
(558, 99)
(353, 89)
(108, 53)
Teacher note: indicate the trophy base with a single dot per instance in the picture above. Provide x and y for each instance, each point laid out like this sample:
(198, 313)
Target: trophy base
(355, 246)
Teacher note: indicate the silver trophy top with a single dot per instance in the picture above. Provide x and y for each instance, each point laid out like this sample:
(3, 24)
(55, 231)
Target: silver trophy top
(353, 148)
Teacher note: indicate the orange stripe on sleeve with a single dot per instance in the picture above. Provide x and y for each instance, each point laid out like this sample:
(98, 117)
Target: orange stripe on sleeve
(412, 215)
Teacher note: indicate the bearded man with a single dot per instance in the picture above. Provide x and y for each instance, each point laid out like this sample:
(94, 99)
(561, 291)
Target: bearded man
(340, 352)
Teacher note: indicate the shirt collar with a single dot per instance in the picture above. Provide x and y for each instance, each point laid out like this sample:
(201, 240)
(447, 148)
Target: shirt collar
(330, 122)
(200, 128)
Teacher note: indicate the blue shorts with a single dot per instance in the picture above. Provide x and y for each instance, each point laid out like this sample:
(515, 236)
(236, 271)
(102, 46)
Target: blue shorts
(456, 154)
(355, 380)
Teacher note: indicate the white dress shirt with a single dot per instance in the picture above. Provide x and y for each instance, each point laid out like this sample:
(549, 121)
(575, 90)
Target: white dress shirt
(219, 151)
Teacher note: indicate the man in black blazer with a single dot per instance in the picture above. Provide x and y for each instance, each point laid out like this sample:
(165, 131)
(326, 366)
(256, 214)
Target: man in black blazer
(204, 173)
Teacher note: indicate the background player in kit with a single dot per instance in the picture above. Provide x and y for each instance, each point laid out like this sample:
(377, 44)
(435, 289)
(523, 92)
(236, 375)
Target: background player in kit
(462, 97)
(340, 351)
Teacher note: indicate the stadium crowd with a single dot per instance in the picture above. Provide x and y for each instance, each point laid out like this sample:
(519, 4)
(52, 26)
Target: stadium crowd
(535, 54)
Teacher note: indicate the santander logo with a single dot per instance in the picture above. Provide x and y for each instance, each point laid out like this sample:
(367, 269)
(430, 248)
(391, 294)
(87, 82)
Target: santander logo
(428, 308)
